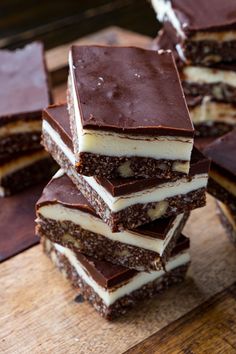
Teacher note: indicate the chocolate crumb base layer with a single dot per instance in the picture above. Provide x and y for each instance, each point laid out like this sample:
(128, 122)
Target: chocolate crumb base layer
(138, 214)
(221, 194)
(212, 129)
(125, 166)
(16, 143)
(80, 240)
(39, 171)
(130, 217)
(230, 231)
(112, 166)
(219, 91)
(121, 306)
(209, 52)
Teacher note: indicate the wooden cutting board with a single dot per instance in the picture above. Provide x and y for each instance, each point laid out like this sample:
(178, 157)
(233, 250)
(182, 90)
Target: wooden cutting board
(38, 313)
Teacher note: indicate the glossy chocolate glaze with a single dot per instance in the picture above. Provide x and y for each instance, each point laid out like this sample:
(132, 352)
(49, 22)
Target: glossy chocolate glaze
(121, 186)
(62, 191)
(202, 15)
(108, 275)
(24, 86)
(129, 90)
(57, 116)
(222, 152)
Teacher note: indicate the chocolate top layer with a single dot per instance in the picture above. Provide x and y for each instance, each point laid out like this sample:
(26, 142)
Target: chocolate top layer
(202, 15)
(57, 116)
(62, 191)
(109, 275)
(129, 90)
(168, 39)
(24, 82)
(222, 152)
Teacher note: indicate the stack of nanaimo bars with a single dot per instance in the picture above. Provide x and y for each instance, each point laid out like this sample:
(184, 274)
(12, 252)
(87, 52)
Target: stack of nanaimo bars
(112, 217)
(202, 36)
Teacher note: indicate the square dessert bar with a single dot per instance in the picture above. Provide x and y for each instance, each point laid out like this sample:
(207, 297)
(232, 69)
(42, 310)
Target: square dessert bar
(206, 29)
(228, 220)
(128, 113)
(211, 117)
(25, 169)
(222, 174)
(111, 289)
(24, 94)
(64, 216)
(125, 203)
(217, 81)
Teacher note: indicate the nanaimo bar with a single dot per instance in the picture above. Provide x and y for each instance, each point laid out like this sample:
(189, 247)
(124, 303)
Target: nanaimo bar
(111, 289)
(222, 174)
(128, 114)
(206, 30)
(64, 216)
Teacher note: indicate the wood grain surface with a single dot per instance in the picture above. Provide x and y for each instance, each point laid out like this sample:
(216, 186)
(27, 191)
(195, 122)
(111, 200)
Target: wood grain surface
(211, 328)
(40, 315)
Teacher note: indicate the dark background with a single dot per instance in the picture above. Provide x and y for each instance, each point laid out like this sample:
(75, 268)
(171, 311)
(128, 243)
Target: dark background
(59, 21)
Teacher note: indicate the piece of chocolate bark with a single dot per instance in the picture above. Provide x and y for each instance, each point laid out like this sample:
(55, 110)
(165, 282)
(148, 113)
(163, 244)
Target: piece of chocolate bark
(217, 81)
(64, 216)
(111, 289)
(128, 114)
(222, 174)
(24, 170)
(228, 220)
(25, 92)
(125, 203)
(206, 29)
(210, 117)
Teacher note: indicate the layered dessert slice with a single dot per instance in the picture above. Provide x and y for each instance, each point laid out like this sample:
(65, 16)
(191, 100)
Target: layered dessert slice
(228, 220)
(206, 29)
(64, 216)
(222, 175)
(128, 113)
(211, 117)
(125, 203)
(24, 170)
(113, 289)
(217, 81)
(25, 92)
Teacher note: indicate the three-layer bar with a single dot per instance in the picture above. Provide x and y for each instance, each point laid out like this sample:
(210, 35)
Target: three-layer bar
(112, 289)
(128, 113)
(206, 30)
(222, 174)
(25, 92)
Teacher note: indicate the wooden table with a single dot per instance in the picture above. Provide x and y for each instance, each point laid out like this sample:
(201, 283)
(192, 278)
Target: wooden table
(38, 313)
